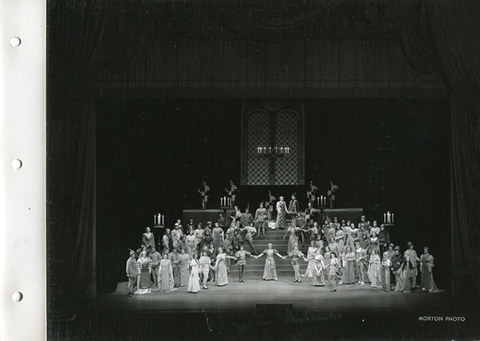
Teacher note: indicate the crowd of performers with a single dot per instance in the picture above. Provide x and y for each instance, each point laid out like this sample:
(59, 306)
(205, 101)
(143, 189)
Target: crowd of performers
(339, 252)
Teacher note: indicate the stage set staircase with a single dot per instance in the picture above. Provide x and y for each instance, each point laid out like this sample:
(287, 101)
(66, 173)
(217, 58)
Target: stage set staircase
(254, 267)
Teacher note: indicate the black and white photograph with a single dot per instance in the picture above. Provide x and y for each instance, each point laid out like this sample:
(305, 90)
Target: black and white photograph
(262, 170)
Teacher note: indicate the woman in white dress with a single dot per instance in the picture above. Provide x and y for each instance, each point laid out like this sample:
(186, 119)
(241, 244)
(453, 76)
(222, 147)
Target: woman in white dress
(221, 275)
(270, 270)
(311, 253)
(194, 280)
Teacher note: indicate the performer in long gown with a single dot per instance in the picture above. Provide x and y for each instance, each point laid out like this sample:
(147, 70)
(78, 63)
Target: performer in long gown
(292, 239)
(426, 270)
(406, 273)
(221, 276)
(194, 279)
(348, 259)
(317, 278)
(375, 269)
(183, 268)
(332, 271)
(340, 239)
(217, 236)
(281, 214)
(386, 267)
(148, 239)
(311, 252)
(190, 243)
(144, 283)
(165, 275)
(204, 192)
(270, 270)
(198, 232)
(397, 261)
(241, 256)
(326, 261)
(166, 242)
(361, 263)
(205, 267)
(412, 254)
(295, 254)
(132, 273)
(374, 243)
(292, 210)
(261, 216)
(175, 261)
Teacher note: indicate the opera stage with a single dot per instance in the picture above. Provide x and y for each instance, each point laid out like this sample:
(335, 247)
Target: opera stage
(284, 292)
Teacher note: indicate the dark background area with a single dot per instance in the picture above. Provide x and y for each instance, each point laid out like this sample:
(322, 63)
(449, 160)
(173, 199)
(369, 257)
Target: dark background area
(384, 154)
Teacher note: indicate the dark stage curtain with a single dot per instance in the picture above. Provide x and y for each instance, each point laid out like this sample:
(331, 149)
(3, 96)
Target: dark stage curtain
(455, 28)
(84, 35)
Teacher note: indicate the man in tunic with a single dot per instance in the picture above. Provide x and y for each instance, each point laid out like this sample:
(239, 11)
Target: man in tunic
(156, 258)
(261, 216)
(232, 193)
(386, 266)
(204, 194)
(175, 260)
(132, 273)
(222, 222)
(246, 218)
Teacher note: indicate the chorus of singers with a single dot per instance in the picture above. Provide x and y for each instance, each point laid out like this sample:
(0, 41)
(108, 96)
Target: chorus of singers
(339, 251)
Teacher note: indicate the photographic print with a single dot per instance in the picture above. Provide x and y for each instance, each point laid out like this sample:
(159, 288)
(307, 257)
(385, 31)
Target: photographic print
(262, 169)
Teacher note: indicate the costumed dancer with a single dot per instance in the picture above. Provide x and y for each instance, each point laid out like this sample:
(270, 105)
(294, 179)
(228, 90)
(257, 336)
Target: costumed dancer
(295, 254)
(222, 221)
(194, 280)
(270, 270)
(232, 193)
(332, 271)
(132, 273)
(246, 233)
(300, 227)
(148, 240)
(221, 276)
(204, 194)
(205, 267)
(183, 268)
(241, 256)
(375, 270)
(175, 261)
(144, 283)
(397, 261)
(292, 239)
(281, 214)
(412, 254)
(207, 234)
(311, 252)
(261, 216)
(317, 278)
(426, 270)
(165, 279)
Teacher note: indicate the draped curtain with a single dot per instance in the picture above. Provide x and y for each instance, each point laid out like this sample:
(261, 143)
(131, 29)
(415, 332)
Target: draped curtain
(455, 28)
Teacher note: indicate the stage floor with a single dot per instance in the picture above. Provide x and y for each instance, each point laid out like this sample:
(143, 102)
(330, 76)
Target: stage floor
(303, 296)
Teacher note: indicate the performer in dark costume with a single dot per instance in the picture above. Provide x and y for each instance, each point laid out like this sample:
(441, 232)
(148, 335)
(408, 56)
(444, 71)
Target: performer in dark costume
(261, 216)
(311, 192)
(204, 191)
(232, 193)
(331, 193)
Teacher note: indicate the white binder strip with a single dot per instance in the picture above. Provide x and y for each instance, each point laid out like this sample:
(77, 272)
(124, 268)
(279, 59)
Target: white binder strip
(22, 170)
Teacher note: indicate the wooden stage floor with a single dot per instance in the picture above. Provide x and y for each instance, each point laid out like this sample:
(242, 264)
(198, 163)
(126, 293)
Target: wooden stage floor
(246, 296)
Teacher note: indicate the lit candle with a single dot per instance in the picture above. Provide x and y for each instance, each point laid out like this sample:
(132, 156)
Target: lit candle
(318, 201)
(392, 218)
(388, 217)
(384, 218)
(154, 220)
